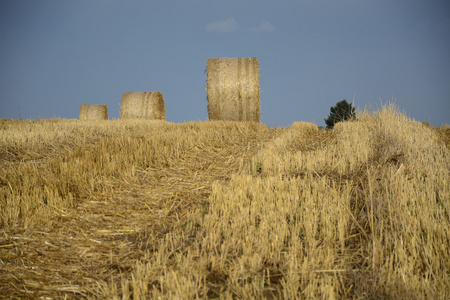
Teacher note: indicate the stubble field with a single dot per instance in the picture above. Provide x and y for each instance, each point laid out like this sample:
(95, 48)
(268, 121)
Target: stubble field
(225, 210)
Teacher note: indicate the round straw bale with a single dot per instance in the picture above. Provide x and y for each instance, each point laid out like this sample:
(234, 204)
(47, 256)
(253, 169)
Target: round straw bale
(93, 112)
(142, 105)
(232, 88)
(304, 126)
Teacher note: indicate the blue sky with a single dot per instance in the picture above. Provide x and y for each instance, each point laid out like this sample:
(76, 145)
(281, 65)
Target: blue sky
(58, 54)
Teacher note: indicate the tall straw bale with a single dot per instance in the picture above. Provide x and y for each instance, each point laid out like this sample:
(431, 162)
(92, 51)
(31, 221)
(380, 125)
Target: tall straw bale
(93, 112)
(142, 105)
(232, 88)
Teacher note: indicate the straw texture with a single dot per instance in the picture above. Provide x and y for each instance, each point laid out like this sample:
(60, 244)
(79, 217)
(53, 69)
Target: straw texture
(232, 89)
(93, 112)
(143, 105)
(304, 125)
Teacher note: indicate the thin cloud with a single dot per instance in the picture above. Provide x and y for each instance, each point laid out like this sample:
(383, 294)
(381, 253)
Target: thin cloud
(228, 25)
(264, 27)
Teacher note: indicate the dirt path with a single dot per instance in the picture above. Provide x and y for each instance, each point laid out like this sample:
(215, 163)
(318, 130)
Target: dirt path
(102, 238)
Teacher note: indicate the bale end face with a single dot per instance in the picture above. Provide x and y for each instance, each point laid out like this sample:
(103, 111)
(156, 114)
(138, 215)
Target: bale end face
(232, 88)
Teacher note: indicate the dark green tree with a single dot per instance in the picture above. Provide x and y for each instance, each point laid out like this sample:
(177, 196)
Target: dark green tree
(342, 111)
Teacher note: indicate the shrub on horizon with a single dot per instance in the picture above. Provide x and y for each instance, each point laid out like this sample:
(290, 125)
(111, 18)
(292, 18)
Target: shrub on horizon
(340, 112)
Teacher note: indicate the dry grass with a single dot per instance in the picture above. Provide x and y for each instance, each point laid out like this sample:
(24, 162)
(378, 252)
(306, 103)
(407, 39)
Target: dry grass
(232, 88)
(225, 210)
(142, 105)
(444, 134)
(93, 112)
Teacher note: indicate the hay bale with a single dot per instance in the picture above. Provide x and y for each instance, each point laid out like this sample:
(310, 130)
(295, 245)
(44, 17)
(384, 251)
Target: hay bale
(232, 88)
(304, 126)
(93, 112)
(143, 105)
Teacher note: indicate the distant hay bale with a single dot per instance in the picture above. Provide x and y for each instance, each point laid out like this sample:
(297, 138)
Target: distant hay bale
(93, 112)
(304, 126)
(232, 88)
(143, 105)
